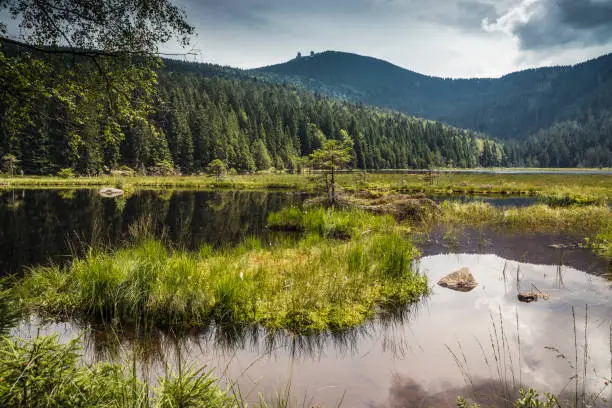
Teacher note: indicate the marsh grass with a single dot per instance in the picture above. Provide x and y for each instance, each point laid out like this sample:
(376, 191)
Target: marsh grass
(591, 185)
(43, 372)
(588, 220)
(10, 310)
(591, 224)
(317, 283)
(568, 199)
(602, 243)
(330, 223)
(510, 390)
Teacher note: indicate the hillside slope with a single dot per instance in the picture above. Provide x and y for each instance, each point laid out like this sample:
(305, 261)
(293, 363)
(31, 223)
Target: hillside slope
(205, 112)
(511, 107)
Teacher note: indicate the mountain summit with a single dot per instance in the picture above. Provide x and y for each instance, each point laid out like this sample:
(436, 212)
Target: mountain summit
(511, 107)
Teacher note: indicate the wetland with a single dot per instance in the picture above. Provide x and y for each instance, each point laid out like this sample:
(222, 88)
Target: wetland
(290, 304)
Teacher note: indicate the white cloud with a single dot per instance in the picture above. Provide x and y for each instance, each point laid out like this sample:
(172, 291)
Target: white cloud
(508, 21)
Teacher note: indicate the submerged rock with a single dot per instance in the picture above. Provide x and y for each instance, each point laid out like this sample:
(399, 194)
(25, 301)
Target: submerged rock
(461, 280)
(528, 297)
(110, 192)
(563, 246)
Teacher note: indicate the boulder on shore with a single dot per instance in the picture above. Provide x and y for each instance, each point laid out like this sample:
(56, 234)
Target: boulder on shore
(110, 192)
(461, 280)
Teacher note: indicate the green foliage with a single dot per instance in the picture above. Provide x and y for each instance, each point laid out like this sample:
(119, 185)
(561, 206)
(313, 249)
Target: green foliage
(463, 403)
(531, 399)
(528, 399)
(578, 143)
(602, 243)
(10, 310)
(313, 284)
(331, 157)
(80, 78)
(575, 219)
(217, 167)
(329, 223)
(569, 199)
(43, 373)
(9, 163)
(66, 173)
(263, 126)
(191, 388)
(580, 94)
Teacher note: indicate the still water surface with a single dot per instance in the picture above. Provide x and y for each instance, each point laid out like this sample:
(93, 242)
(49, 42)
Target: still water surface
(450, 343)
(408, 361)
(39, 226)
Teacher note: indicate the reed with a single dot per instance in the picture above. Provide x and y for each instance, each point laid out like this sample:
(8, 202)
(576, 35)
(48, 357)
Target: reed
(515, 394)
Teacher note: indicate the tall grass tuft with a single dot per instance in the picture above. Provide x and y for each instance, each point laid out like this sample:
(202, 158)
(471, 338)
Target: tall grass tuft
(10, 310)
(330, 223)
(44, 373)
(313, 284)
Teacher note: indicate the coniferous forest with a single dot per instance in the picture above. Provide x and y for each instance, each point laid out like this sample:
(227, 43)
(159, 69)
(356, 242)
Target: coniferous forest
(188, 114)
(204, 112)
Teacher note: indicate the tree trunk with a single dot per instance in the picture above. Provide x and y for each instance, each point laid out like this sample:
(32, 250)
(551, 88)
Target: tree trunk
(333, 185)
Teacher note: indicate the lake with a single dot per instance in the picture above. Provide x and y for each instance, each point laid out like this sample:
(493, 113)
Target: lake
(451, 343)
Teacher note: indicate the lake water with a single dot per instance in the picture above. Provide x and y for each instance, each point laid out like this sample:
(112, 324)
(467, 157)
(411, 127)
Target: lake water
(449, 344)
(39, 226)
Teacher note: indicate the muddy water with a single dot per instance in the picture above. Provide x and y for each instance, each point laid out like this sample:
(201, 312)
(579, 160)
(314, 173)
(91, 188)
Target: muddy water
(449, 344)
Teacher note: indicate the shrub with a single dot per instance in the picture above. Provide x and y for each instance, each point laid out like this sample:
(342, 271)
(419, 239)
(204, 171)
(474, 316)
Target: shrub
(66, 173)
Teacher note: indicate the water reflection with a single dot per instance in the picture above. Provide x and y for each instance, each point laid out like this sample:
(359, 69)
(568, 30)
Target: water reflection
(407, 359)
(536, 248)
(495, 201)
(43, 225)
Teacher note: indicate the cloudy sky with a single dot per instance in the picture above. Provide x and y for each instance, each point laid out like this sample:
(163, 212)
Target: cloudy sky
(451, 38)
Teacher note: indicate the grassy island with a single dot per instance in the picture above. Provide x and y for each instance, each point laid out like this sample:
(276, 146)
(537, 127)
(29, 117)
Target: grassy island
(344, 267)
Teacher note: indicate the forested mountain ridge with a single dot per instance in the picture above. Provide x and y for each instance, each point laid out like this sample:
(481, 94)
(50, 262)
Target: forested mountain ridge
(203, 112)
(514, 106)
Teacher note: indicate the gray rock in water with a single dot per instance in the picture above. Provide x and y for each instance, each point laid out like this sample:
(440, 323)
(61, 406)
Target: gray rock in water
(110, 192)
(461, 280)
(528, 297)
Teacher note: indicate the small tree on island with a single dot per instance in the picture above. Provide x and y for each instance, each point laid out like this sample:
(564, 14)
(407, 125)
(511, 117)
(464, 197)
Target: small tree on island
(331, 157)
(217, 167)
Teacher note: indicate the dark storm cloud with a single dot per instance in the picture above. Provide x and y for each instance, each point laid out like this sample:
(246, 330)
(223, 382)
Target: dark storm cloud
(472, 13)
(554, 23)
(454, 38)
(463, 13)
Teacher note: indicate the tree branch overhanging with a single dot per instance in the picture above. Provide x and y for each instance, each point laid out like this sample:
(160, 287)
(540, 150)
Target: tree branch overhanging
(86, 53)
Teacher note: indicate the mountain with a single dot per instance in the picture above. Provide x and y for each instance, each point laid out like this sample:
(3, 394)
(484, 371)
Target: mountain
(514, 106)
(204, 112)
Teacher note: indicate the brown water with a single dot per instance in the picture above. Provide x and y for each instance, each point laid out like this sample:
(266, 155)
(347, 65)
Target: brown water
(409, 361)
